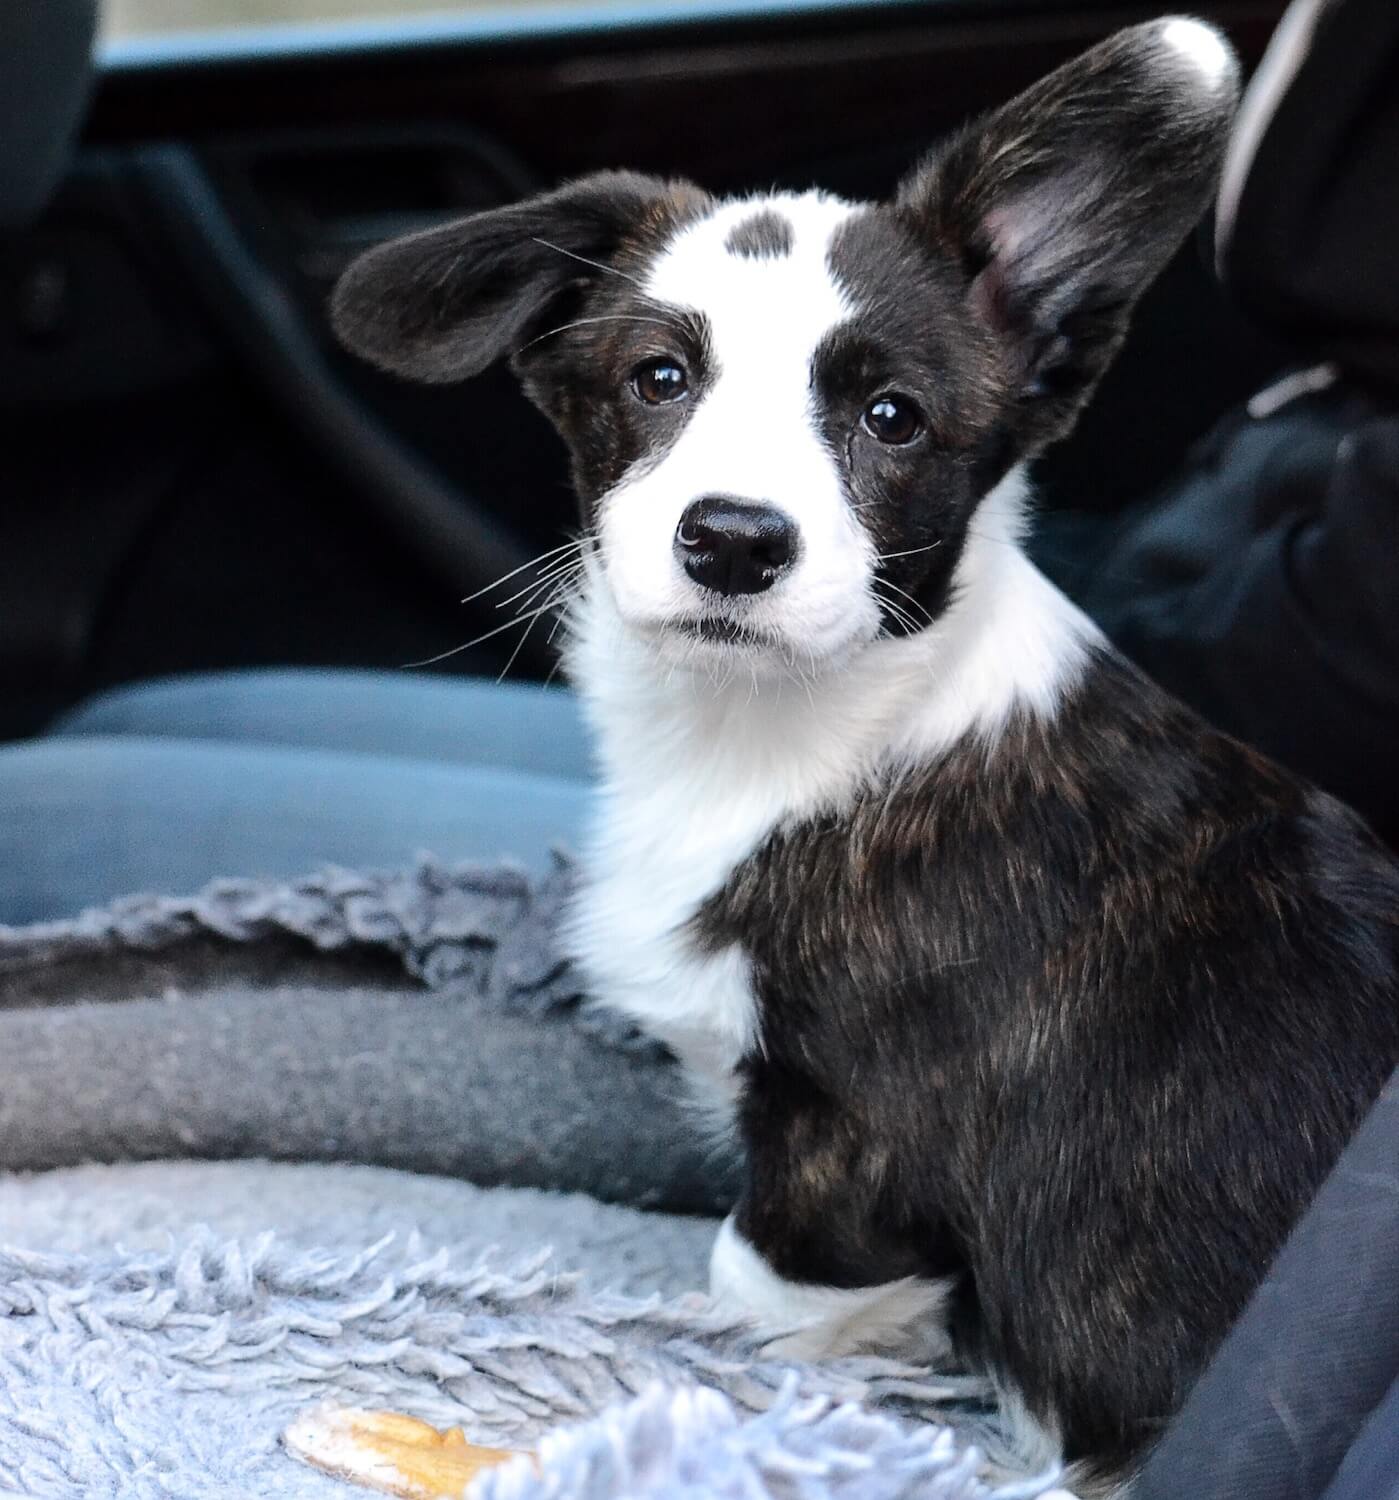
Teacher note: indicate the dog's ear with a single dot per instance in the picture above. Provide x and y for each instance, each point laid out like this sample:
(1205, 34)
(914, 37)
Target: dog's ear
(1063, 205)
(444, 304)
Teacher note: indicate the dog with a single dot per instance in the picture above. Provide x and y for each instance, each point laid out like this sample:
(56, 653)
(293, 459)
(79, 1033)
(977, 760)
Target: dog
(1040, 1008)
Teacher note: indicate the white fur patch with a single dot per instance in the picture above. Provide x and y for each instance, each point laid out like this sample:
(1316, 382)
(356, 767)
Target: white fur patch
(1201, 45)
(698, 769)
(1030, 1445)
(752, 434)
(1010, 641)
(825, 1322)
(905, 1319)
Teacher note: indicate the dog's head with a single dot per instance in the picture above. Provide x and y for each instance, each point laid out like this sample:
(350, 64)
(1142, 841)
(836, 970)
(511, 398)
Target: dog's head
(783, 411)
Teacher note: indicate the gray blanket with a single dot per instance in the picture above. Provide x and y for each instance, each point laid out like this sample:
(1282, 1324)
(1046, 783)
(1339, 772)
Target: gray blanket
(161, 1321)
(419, 1020)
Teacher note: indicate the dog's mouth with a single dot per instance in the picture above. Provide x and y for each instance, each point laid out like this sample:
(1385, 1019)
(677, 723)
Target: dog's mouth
(696, 638)
(712, 636)
(720, 631)
(703, 637)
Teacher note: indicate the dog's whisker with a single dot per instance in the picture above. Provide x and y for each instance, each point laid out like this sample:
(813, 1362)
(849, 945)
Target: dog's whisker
(563, 558)
(597, 265)
(519, 646)
(899, 611)
(904, 621)
(584, 322)
(910, 627)
(479, 640)
(920, 607)
(904, 594)
(556, 627)
(998, 541)
(558, 588)
(534, 562)
(885, 557)
(565, 596)
(684, 327)
(556, 598)
(556, 570)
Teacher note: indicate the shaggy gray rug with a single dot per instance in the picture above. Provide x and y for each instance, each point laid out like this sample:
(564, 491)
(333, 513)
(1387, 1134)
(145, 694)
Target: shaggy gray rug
(162, 1322)
(145, 1353)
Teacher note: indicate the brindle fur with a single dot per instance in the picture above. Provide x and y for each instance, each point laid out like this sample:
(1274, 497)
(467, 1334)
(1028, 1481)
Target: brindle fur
(1080, 1019)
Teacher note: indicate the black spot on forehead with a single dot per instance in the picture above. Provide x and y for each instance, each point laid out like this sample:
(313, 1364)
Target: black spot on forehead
(764, 235)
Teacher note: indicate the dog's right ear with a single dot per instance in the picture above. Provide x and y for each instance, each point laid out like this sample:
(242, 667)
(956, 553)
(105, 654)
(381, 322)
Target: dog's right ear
(444, 304)
(1065, 203)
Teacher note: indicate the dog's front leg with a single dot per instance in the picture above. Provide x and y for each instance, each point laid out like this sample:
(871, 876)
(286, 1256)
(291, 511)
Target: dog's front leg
(808, 1320)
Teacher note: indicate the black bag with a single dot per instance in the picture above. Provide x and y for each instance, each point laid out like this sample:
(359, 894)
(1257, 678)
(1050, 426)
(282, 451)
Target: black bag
(1262, 584)
(1307, 229)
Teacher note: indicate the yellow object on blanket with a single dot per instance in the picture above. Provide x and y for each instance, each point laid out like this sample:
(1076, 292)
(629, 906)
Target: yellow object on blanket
(394, 1454)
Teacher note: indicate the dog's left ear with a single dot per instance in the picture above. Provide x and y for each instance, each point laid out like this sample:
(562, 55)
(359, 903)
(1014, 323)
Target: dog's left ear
(444, 304)
(1063, 205)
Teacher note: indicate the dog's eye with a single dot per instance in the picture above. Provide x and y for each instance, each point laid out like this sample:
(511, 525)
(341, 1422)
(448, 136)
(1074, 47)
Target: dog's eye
(659, 381)
(892, 419)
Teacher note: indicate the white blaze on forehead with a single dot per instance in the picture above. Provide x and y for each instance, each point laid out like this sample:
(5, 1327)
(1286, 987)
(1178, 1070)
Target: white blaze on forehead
(754, 432)
(788, 301)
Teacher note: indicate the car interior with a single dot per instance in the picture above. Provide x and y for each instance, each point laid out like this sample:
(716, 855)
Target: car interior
(198, 478)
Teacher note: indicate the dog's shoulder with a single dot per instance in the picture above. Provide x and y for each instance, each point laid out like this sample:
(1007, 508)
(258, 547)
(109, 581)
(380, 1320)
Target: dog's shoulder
(1118, 819)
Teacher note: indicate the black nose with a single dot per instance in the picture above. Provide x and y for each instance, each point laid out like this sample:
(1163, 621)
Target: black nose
(734, 546)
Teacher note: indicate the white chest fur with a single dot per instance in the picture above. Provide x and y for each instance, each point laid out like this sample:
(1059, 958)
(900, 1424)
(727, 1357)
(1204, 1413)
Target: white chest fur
(698, 772)
(695, 777)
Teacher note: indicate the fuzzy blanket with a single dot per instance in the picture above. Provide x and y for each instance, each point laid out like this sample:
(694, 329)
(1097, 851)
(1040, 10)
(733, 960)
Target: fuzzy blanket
(161, 1321)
